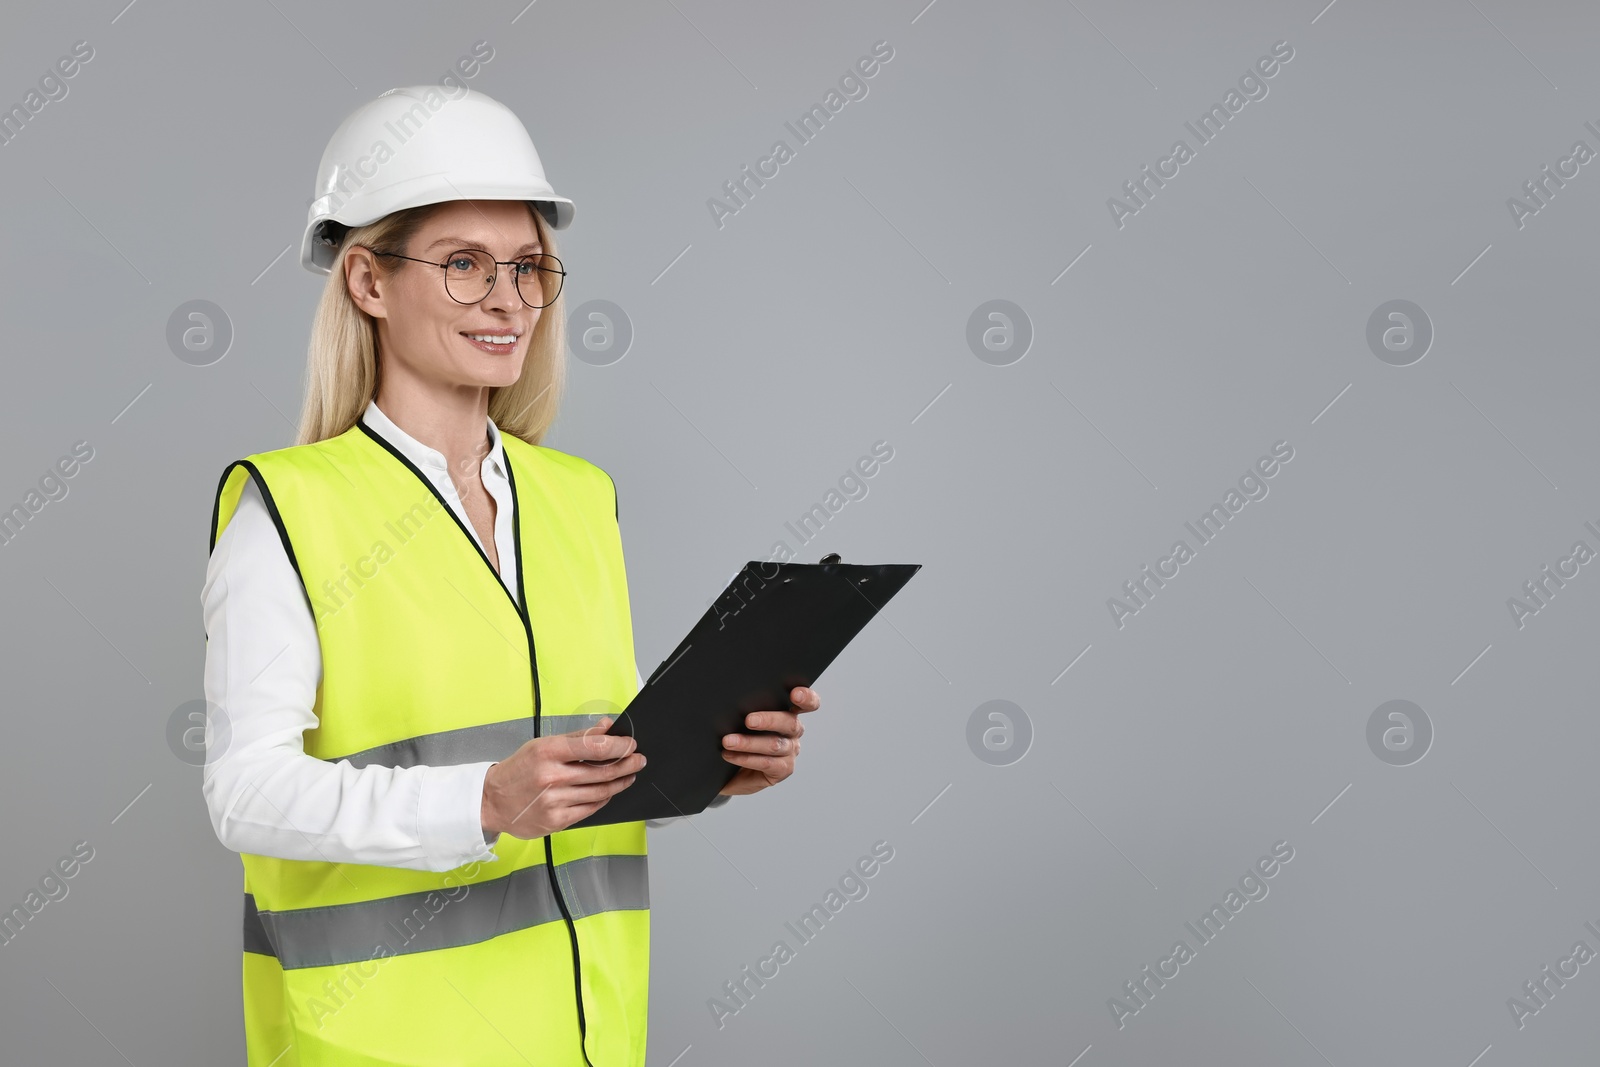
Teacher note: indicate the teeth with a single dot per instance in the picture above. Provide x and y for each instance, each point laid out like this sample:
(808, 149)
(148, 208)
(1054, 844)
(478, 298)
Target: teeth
(494, 339)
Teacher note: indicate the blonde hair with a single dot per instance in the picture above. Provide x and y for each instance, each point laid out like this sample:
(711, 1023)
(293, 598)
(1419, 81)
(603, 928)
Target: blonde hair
(342, 366)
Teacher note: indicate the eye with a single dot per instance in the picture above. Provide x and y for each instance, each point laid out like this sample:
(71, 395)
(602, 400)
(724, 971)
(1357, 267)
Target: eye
(463, 263)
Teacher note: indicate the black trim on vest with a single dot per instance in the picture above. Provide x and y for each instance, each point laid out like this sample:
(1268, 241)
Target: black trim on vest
(522, 602)
(272, 510)
(471, 540)
(519, 601)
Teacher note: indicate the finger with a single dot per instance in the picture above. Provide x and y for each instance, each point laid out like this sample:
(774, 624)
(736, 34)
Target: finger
(760, 743)
(581, 772)
(804, 698)
(598, 728)
(591, 744)
(578, 812)
(595, 794)
(778, 722)
(570, 804)
(595, 730)
(756, 762)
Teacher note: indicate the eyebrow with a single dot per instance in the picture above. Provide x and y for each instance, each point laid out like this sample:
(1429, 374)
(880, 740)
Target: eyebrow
(461, 242)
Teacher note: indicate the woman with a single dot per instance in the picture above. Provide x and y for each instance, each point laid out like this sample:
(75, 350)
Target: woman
(418, 628)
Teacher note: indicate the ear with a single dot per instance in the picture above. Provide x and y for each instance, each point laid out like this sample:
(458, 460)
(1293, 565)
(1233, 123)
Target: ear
(365, 284)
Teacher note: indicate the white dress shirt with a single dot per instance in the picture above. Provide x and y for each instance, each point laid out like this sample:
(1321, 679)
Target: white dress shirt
(263, 666)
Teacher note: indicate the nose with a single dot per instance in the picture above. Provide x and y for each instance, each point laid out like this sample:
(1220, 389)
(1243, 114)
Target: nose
(503, 297)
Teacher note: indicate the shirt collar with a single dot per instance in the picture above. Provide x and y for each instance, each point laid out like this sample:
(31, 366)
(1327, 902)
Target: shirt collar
(421, 454)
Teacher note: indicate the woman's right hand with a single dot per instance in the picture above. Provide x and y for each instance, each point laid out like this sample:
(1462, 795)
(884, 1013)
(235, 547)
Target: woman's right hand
(547, 785)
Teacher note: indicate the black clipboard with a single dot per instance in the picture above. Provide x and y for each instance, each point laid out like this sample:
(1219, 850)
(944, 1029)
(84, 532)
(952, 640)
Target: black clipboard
(776, 626)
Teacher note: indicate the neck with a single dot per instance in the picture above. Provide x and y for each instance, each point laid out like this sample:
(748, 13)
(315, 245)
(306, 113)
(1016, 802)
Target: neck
(451, 419)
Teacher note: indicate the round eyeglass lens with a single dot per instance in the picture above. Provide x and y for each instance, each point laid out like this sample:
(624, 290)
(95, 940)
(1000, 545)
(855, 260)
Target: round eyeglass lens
(469, 273)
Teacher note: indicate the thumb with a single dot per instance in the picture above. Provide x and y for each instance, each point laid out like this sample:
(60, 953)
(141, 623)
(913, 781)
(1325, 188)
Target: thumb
(589, 743)
(600, 727)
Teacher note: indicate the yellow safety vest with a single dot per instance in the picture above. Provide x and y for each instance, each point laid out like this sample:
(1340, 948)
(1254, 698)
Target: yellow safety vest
(541, 957)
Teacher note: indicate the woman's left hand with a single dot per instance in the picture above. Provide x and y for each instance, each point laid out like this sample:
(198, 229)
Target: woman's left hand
(767, 758)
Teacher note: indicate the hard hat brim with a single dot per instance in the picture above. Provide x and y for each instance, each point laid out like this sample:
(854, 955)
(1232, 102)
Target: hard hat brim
(317, 254)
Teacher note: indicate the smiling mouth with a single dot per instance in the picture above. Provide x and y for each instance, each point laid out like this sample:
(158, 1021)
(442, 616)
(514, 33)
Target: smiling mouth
(498, 343)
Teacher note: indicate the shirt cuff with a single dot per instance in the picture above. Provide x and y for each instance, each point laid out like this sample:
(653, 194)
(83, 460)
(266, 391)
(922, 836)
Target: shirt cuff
(450, 816)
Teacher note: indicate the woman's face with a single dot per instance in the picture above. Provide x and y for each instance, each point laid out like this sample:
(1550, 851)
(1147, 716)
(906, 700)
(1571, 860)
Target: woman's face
(421, 327)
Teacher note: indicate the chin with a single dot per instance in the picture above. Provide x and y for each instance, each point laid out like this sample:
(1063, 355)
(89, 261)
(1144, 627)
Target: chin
(496, 378)
(499, 371)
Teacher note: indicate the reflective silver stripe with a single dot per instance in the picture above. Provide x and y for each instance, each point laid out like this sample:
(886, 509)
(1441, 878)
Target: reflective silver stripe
(350, 933)
(469, 744)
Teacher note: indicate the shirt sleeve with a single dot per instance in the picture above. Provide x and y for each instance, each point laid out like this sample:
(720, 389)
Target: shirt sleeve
(265, 794)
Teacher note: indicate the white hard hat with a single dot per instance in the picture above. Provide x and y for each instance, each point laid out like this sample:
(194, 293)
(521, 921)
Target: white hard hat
(420, 145)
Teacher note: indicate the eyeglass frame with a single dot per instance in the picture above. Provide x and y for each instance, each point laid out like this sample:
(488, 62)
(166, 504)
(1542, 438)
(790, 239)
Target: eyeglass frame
(515, 282)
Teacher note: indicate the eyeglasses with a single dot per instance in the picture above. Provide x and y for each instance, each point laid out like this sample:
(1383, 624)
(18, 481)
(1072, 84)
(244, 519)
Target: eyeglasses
(469, 275)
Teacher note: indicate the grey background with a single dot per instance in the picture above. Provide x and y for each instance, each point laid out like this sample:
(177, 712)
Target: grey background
(829, 313)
